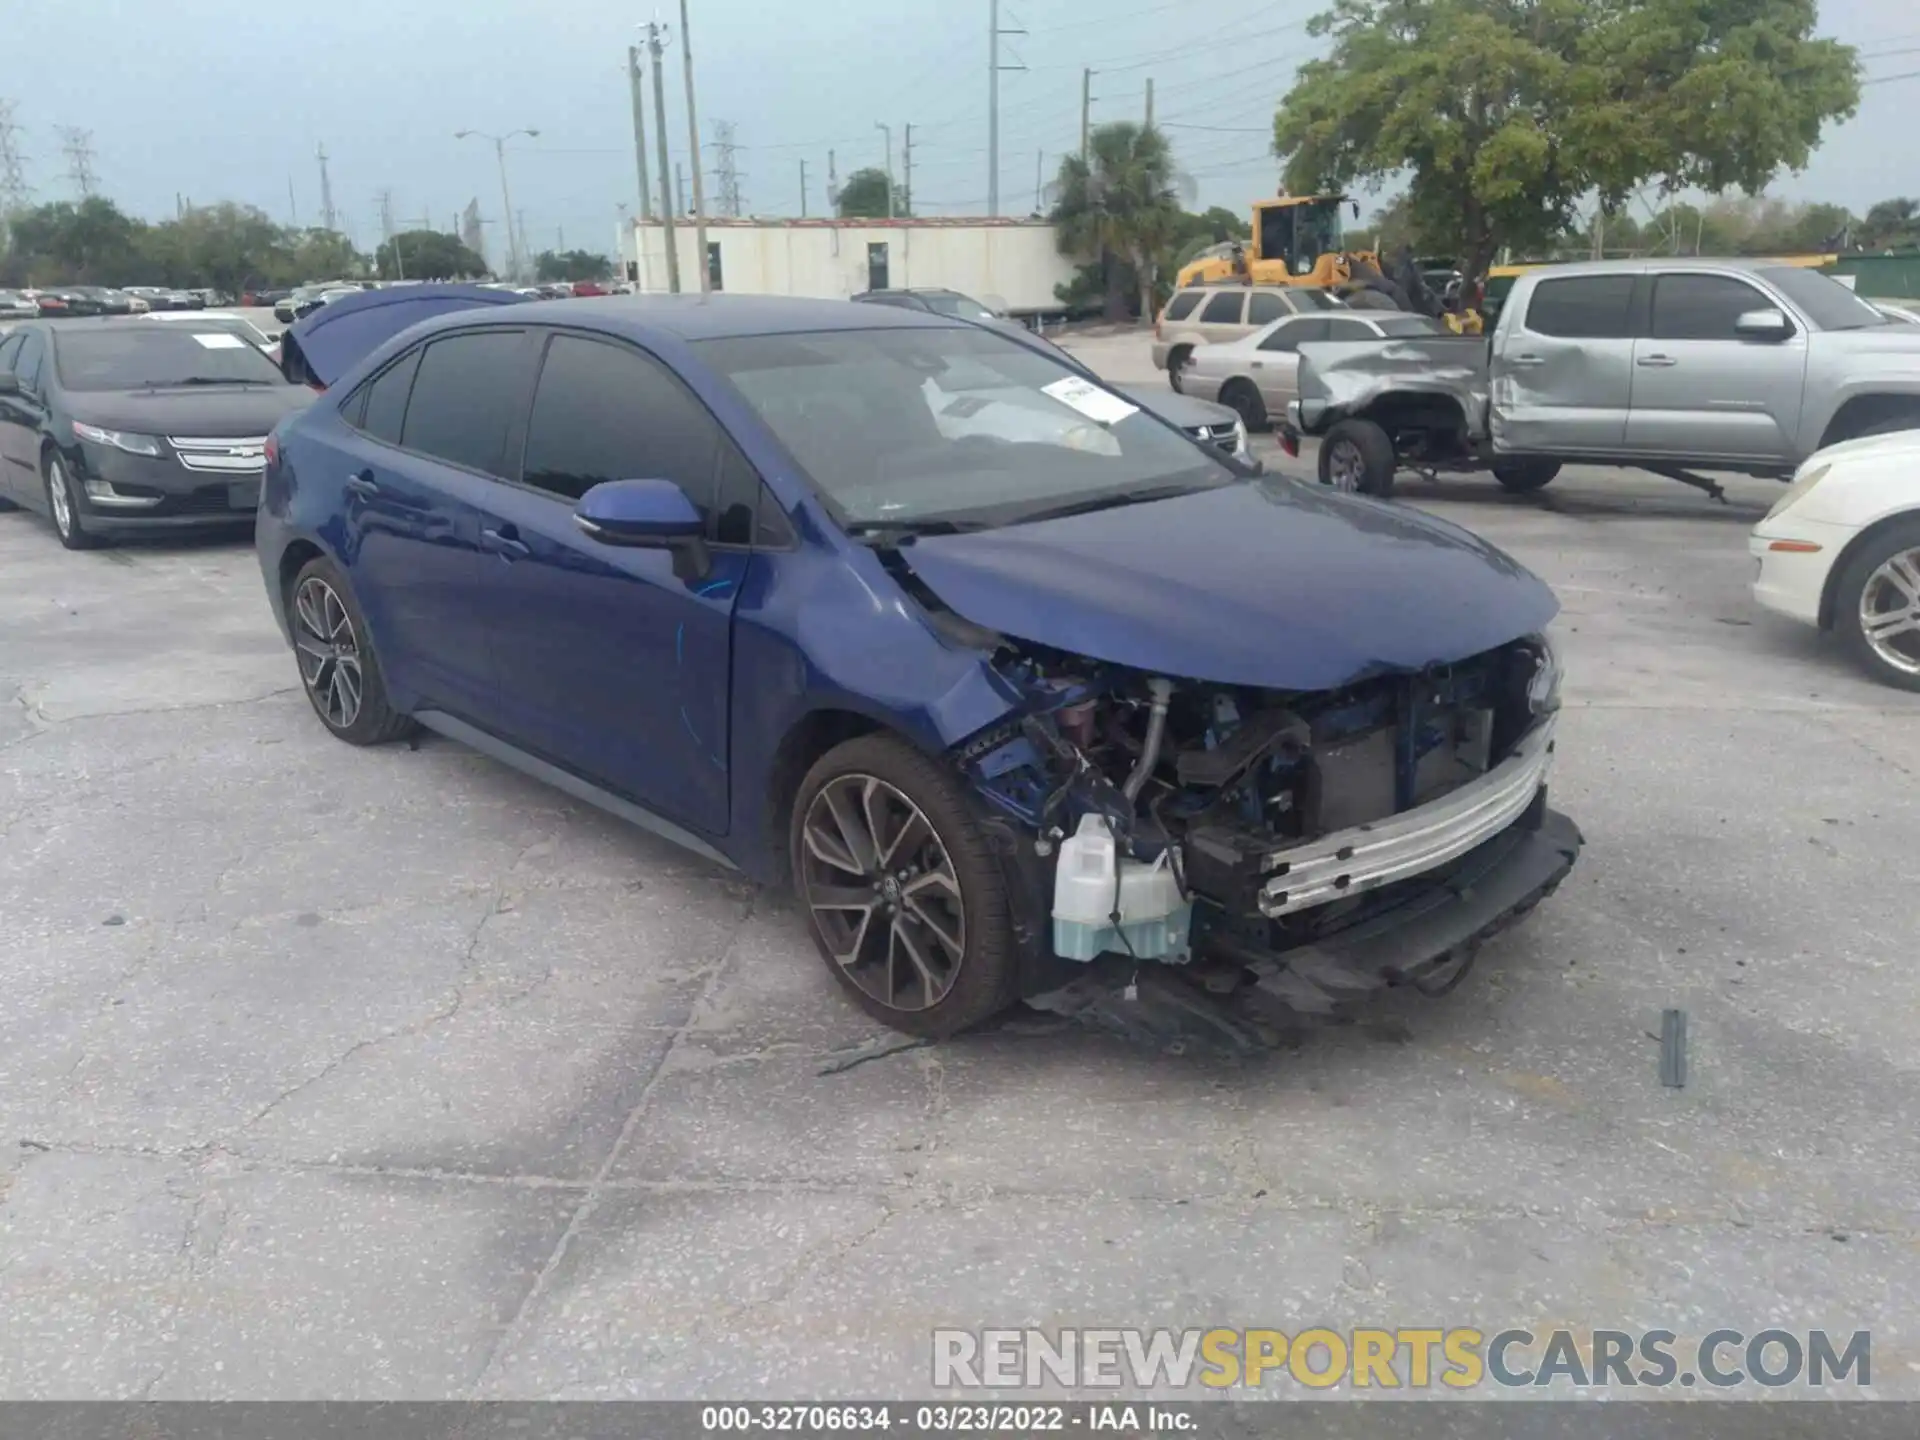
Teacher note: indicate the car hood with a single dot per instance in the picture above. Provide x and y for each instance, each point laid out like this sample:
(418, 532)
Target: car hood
(1181, 410)
(203, 410)
(333, 339)
(1894, 444)
(1272, 583)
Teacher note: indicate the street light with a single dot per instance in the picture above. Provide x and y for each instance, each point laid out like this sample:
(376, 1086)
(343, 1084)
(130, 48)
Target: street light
(888, 130)
(506, 195)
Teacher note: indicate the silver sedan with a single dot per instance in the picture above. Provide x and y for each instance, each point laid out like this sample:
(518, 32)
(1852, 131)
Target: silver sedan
(1257, 376)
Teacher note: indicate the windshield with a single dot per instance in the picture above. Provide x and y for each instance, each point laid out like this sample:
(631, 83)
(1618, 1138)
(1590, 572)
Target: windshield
(1825, 301)
(139, 357)
(911, 427)
(948, 303)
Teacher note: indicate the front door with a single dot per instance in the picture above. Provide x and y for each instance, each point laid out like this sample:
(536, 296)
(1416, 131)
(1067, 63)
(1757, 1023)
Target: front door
(1702, 392)
(610, 663)
(440, 415)
(1562, 373)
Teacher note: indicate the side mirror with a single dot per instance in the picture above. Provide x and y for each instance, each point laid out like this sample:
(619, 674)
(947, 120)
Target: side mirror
(1770, 323)
(9, 383)
(646, 515)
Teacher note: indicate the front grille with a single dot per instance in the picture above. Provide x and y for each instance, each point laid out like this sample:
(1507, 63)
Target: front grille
(207, 500)
(1219, 436)
(222, 455)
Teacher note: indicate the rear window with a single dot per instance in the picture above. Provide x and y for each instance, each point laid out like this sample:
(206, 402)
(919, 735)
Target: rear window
(1182, 304)
(1408, 325)
(1825, 301)
(1583, 307)
(139, 357)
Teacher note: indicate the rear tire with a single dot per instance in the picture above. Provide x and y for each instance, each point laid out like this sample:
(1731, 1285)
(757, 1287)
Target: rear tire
(1176, 362)
(1241, 396)
(1522, 477)
(1357, 456)
(931, 954)
(334, 650)
(1874, 576)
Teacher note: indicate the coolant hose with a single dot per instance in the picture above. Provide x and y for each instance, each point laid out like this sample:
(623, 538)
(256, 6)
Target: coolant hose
(1162, 689)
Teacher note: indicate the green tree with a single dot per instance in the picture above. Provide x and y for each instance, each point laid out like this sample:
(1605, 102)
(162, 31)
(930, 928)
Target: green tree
(1504, 116)
(316, 255)
(865, 196)
(571, 265)
(91, 243)
(1891, 225)
(1119, 205)
(427, 255)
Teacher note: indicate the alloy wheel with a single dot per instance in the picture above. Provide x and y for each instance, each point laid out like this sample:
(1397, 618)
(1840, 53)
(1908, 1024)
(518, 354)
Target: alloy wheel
(60, 499)
(329, 652)
(884, 895)
(1890, 611)
(1345, 465)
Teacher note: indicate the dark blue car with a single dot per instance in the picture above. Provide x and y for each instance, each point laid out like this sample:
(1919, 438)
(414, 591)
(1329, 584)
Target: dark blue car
(1014, 683)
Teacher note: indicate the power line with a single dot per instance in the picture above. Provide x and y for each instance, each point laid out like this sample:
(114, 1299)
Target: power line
(726, 173)
(1884, 79)
(77, 145)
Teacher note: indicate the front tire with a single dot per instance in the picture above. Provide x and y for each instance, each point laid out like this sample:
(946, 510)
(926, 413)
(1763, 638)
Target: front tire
(63, 505)
(905, 899)
(1176, 362)
(1876, 605)
(1523, 477)
(338, 668)
(1357, 456)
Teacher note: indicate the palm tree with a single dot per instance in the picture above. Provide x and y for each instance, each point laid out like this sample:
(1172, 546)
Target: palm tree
(1119, 202)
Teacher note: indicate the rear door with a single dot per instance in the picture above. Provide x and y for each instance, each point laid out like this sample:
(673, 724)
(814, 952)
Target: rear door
(16, 433)
(1562, 371)
(1276, 362)
(1221, 317)
(1702, 392)
(610, 663)
(439, 418)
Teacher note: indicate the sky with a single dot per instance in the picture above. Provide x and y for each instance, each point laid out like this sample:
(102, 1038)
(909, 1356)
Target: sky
(209, 100)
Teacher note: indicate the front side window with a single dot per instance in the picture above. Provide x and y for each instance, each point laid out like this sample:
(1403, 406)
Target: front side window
(158, 357)
(1702, 307)
(905, 427)
(606, 412)
(466, 388)
(1824, 300)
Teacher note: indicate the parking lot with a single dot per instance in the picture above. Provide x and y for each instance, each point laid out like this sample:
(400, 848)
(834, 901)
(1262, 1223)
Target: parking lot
(388, 1073)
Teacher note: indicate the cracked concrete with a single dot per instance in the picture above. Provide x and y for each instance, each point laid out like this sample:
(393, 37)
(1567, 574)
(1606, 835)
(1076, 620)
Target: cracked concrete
(390, 1074)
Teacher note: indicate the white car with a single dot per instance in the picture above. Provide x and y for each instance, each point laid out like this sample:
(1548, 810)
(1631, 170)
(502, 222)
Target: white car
(1257, 376)
(1841, 551)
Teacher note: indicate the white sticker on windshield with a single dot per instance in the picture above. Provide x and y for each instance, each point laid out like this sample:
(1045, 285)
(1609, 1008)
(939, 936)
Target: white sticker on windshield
(1099, 406)
(218, 340)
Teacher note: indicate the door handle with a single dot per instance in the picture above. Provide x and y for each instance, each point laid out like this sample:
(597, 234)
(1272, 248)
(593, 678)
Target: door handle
(1524, 362)
(1656, 362)
(363, 484)
(506, 543)
(1259, 364)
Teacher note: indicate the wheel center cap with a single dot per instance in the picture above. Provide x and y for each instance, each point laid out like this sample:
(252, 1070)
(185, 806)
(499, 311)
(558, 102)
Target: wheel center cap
(890, 890)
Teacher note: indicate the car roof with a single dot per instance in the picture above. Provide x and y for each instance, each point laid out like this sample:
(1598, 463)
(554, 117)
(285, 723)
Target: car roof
(1728, 264)
(702, 317)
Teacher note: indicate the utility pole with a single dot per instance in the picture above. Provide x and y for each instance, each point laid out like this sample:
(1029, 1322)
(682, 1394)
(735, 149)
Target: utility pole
(14, 190)
(521, 216)
(656, 32)
(1039, 180)
(803, 189)
(561, 232)
(994, 67)
(639, 130)
(727, 170)
(516, 246)
(1149, 102)
(293, 206)
(693, 159)
(385, 199)
(1086, 110)
(906, 164)
(833, 185)
(680, 186)
(77, 145)
(329, 219)
(888, 130)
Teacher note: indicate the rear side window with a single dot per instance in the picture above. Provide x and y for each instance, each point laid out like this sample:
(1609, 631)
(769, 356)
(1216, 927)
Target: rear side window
(466, 390)
(1702, 307)
(386, 399)
(606, 412)
(1583, 307)
(1291, 337)
(1223, 309)
(1182, 305)
(1264, 307)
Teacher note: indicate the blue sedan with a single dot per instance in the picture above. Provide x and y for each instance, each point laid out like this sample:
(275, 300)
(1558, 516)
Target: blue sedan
(1017, 686)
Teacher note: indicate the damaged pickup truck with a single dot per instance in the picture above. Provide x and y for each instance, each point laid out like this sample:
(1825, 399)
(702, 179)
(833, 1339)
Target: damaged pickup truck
(1668, 366)
(1022, 691)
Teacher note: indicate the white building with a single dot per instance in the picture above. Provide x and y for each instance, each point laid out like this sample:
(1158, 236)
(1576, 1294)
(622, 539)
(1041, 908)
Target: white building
(1010, 264)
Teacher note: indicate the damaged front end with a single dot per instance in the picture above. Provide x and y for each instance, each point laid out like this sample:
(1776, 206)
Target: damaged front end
(1287, 849)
